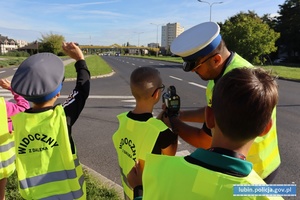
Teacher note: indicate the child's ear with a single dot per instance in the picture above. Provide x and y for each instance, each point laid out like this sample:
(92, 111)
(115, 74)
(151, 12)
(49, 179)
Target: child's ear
(209, 117)
(267, 128)
(156, 94)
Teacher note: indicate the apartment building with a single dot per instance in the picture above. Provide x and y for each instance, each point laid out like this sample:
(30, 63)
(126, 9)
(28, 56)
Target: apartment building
(7, 44)
(169, 32)
(21, 43)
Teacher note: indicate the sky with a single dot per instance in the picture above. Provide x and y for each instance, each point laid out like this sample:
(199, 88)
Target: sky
(107, 22)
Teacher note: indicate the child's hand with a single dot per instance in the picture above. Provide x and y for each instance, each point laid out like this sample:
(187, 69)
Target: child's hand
(134, 177)
(72, 50)
(5, 84)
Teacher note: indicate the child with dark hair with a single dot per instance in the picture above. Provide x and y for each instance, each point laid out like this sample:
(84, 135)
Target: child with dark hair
(242, 105)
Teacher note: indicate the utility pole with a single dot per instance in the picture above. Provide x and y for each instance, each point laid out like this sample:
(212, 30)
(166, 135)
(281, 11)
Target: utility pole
(156, 37)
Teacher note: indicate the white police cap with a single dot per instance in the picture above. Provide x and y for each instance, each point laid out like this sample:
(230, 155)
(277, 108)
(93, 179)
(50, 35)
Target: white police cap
(197, 41)
(39, 78)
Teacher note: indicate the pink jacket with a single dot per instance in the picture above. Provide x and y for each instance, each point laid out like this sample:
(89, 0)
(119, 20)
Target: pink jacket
(14, 108)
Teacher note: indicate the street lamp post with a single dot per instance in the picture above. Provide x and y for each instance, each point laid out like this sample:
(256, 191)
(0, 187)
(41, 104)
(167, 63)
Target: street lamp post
(138, 40)
(210, 6)
(156, 37)
(138, 37)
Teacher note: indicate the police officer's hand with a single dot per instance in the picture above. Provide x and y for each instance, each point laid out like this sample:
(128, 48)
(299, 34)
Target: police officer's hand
(72, 50)
(134, 177)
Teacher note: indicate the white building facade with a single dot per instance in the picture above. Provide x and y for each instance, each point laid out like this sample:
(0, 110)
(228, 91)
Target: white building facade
(7, 44)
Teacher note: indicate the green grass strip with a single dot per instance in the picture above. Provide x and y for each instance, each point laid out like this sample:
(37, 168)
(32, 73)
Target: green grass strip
(96, 65)
(292, 73)
(94, 189)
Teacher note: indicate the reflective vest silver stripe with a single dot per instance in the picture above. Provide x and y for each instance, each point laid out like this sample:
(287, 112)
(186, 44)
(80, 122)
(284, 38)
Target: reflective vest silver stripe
(71, 195)
(49, 177)
(6, 147)
(6, 163)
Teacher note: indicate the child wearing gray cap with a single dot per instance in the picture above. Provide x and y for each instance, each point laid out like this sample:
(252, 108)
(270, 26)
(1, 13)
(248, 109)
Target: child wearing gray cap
(46, 158)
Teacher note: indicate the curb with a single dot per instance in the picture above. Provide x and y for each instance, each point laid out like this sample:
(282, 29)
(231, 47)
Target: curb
(286, 79)
(105, 181)
(93, 77)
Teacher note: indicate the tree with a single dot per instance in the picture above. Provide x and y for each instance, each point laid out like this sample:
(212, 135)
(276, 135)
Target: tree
(249, 36)
(52, 43)
(289, 26)
(271, 21)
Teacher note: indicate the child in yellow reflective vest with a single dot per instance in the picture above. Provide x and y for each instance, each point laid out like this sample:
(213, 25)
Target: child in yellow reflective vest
(139, 133)
(7, 147)
(46, 156)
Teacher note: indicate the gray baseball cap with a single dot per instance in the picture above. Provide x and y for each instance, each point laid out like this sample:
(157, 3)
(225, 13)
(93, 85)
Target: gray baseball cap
(39, 78)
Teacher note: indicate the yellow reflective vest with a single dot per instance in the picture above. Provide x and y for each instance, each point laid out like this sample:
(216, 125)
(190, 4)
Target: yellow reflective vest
(264, 153)
(132, 141)
(7, 145)
(172, 177)
(46, 167)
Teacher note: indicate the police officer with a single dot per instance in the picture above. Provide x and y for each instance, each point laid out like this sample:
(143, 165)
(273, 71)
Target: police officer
(46, 158)
(204, 52)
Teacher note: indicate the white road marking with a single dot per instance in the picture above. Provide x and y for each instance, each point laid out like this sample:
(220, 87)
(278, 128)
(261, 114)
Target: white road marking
(130, 100)
(6, 95)
(2, 72)
(103, 97)
(182, 153)
(198, 85)
(175, 78)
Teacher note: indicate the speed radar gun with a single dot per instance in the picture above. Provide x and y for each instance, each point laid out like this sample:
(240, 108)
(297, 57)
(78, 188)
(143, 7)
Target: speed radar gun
(172, 101)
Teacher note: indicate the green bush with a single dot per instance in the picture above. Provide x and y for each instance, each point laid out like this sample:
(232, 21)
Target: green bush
(3, 64)
(10, 61)
(17, 54)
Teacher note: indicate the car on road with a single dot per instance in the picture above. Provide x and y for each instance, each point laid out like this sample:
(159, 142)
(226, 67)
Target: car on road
(279, 60)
